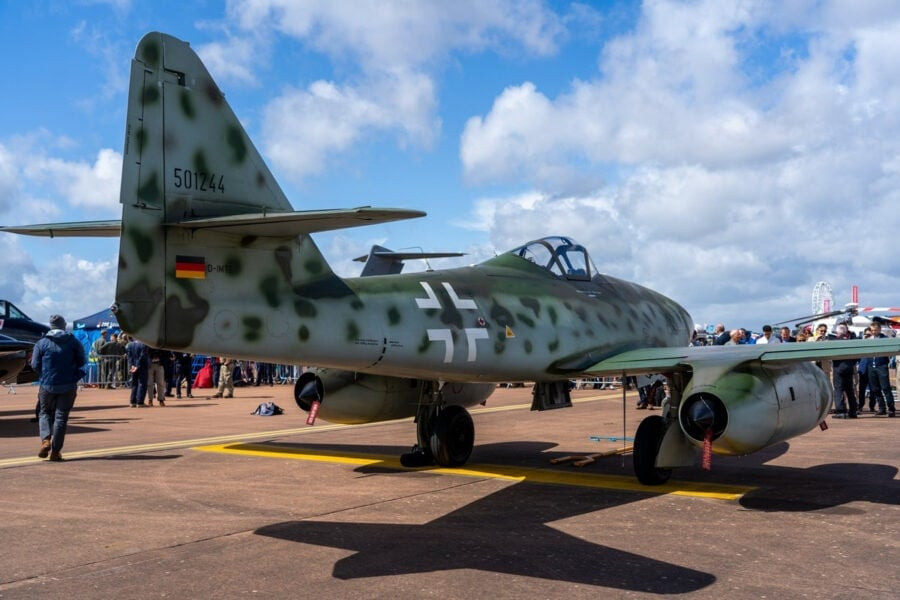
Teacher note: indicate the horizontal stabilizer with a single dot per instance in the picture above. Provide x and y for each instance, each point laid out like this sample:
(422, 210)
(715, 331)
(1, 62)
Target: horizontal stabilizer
(291, 224)
(381, 261)
(76, 229)
(390, 255)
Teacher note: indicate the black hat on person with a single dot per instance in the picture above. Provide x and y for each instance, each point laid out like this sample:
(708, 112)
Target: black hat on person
(57, 322)
(767, 328)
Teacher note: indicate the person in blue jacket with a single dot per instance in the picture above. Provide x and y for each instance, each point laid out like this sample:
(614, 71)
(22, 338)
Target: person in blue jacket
(59, 362)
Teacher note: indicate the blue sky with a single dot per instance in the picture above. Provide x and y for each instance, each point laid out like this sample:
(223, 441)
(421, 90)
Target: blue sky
(728, 154)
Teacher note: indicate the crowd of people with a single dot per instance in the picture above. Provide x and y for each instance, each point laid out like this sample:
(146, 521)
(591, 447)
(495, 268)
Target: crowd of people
(856, 382)
(153, 375)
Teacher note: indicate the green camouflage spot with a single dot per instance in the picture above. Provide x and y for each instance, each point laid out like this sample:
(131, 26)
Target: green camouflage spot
(304, 308)
(581, 312)
(313, 266)
(303, 333)
(356, 304)
(150, 54)
(553, 346)
(424, 345)
(552, 313)
(525, 319)
(252, 328)
(187, 105)
(528, 346)
(393, 315)
(236, 142)
(232, 266)
(533, 304)
(501, 315)
(140, 138)
(151, 94)
(499, 347)
(143, 244)
(269, 288)
(149, 191)
(200, 164)
(352, 331)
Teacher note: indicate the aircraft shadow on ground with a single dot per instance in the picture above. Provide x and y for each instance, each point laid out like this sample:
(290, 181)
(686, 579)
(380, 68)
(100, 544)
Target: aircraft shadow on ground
(78, 408)
(828, 488)
(24, 429)
(504, 532)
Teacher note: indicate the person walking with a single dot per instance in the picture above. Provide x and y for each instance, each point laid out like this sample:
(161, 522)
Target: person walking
(59, 361)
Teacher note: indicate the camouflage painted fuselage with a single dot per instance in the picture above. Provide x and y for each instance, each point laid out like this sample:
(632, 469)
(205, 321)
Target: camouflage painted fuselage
(505, 319)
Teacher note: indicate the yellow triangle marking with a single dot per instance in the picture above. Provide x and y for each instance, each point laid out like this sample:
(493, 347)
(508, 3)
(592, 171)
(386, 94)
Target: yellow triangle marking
(509, 332)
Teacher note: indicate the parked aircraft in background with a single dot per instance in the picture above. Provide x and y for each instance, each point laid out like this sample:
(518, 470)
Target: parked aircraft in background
(214, 260)
(17, 325)
(18, 333)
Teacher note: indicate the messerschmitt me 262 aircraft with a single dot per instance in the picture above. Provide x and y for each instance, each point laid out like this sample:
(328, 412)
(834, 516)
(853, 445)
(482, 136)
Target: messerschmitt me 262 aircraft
(213, 259)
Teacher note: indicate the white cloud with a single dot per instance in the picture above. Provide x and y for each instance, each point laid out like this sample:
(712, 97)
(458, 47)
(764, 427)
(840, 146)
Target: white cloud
(82, 184)
(386, 52)
(302, 129)
(234, 59)
(71, 286)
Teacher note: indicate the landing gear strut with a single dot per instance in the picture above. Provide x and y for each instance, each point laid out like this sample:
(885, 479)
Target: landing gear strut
(444, 434)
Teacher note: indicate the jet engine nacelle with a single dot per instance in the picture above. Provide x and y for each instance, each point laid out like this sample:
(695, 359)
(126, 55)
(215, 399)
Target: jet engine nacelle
(351, 398)
(754, 406)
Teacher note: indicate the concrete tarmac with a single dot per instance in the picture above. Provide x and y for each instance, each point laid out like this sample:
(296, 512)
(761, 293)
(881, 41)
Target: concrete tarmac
(199, 499)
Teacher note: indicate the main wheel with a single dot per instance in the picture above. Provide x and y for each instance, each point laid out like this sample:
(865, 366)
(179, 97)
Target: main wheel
(647, 441)
(452, 436)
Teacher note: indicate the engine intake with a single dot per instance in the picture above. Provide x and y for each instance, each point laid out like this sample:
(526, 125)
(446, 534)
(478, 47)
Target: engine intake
(701, 412)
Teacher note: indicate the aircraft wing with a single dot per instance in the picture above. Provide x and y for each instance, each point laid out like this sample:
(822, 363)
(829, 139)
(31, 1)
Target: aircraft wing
(290, 224)
(668, 360)
(75, 229)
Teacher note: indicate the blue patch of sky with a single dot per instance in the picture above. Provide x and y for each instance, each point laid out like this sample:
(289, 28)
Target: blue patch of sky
(766, 55)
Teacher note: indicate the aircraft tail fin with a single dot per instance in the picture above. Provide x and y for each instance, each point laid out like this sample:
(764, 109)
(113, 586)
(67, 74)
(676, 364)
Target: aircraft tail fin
(204, 223)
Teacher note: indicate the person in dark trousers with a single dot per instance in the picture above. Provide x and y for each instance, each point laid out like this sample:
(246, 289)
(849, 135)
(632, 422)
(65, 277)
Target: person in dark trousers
(183, 363)
(879, 379)
(59, 361)
(842, 377)
(139, 368)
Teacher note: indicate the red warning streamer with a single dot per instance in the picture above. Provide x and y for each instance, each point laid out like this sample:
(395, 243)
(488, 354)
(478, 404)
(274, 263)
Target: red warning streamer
(706, 460)
(313, 411)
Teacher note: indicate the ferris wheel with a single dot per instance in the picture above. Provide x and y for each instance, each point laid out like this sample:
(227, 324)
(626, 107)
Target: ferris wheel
(822, 298)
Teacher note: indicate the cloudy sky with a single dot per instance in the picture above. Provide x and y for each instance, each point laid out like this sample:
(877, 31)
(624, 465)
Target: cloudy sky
(730, 154)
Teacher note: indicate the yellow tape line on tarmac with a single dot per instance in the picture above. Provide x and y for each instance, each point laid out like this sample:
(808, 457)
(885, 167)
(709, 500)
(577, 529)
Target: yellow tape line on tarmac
(572, 478)
(238, 437)
(155, 447)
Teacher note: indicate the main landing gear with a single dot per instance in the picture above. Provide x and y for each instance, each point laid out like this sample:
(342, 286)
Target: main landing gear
(445, 434)
(647, 441)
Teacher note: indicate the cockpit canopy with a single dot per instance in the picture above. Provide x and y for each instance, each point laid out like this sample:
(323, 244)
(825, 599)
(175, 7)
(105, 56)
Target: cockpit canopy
(561, 256)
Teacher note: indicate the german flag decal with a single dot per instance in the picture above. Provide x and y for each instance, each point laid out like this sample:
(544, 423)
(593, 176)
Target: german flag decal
(190, 267)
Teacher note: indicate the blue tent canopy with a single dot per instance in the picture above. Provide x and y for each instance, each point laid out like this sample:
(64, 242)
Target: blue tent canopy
(105, 319)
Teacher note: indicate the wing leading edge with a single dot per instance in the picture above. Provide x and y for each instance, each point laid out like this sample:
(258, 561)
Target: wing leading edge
(659, 360)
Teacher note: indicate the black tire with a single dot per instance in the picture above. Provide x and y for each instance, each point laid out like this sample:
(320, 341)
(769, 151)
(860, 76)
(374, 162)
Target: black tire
(419, 457)
(647, 441)
(452, 437)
